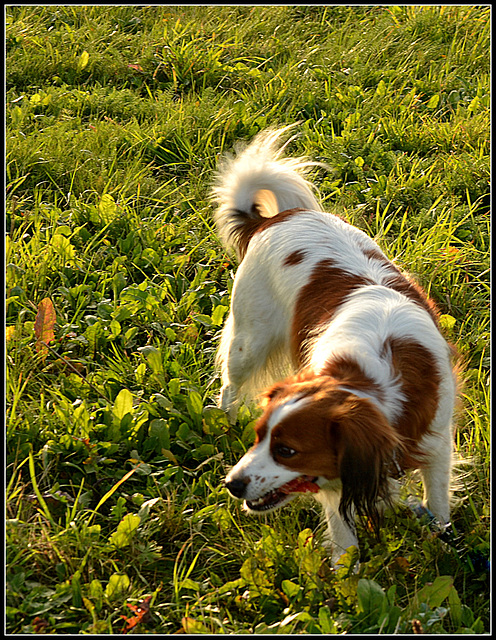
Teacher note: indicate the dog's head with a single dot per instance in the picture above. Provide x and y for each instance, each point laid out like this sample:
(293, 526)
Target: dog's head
(312, 432)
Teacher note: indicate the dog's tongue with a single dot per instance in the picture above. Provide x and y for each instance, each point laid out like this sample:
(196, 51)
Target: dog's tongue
(300, 485)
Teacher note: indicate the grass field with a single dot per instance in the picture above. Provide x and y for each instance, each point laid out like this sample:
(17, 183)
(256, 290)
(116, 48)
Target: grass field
(117, 520)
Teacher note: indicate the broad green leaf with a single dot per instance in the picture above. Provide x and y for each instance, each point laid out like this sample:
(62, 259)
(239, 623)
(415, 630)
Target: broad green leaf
(215, 420)
(192, 626)
(122, 313)
(218, 314)
(174, 387)
(231, 586)
(153, 357)
(104, 310)
(81, 419)
(446, 321)
(96, 593)
(187, 583)
(203, 319)
(62, 246)
(129, 336)
(160, 429)
(115, 328)
(223, 518)
(433, 102)
(474, 104)
(83, 60)
(381, 88)
(194, 404)
(162, 401)
(434, 594)
(305, 538)
(118, 283)
(169, 455)
(117, 585)
(149, 257)
(77, 599)
(107, 208)
(255, 578)
(123, 404)
(183, 431)
(89, 605)
(371, 598)
(205, 450)
(291, 589)
(95, 335)
(125, 530)
(327, 624)
(455, 608)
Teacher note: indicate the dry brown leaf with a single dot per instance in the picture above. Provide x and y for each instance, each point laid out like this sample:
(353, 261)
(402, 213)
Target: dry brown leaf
(44, 324)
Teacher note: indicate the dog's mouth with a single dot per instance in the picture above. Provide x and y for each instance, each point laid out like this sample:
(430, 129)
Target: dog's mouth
(278, 497)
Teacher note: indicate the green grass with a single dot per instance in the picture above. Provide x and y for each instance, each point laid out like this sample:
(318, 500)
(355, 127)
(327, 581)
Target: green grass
(116, 117)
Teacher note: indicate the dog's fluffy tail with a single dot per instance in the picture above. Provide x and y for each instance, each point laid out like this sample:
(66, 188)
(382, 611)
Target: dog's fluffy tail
(256, 184)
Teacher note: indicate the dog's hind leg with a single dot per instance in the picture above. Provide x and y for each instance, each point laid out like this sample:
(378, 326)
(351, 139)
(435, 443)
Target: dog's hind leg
(436, 476)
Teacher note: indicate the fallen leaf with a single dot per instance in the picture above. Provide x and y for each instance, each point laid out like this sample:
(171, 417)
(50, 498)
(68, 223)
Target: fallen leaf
(142, 611)
(44, 324)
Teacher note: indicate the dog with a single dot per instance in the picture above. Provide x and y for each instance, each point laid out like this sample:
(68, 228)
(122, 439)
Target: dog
(357, 383)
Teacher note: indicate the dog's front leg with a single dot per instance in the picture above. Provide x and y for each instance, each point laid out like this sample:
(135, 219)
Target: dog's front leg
(228, 401)
(246, 345)
(339, 535)
(235, 359)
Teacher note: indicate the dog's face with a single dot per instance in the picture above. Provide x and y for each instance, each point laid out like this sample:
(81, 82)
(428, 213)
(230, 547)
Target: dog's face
(310, 433)
(281, 463)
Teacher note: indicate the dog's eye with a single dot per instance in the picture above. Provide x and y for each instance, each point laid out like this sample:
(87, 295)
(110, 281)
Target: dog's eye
(283, 451)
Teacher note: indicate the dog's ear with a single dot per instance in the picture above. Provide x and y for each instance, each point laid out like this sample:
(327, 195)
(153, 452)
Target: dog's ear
(366, 442)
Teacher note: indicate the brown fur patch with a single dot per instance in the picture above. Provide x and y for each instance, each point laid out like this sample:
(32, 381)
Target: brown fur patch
(319, 299)
(350, 374)
(405, 284)
(294, 258)
(308, 430)
(254, 222)
(411, 362)
(420, 381)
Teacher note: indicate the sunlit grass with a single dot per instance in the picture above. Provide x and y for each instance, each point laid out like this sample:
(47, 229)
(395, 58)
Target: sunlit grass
(116, 117)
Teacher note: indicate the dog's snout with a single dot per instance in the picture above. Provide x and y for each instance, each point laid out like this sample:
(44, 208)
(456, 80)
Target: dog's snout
(236, 486)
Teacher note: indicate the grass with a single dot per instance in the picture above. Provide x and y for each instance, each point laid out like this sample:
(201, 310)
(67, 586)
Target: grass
(117, 520)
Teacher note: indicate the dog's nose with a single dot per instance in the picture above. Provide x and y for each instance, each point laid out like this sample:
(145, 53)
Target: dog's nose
(237, 486)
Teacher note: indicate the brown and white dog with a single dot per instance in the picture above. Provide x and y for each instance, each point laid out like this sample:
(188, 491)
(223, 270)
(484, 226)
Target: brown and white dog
(369, 386)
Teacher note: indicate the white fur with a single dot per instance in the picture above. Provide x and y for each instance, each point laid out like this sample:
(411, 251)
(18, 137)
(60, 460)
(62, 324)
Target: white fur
(257, 172)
